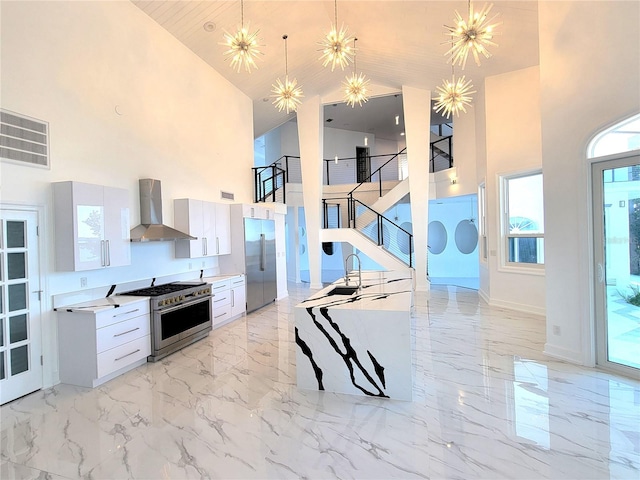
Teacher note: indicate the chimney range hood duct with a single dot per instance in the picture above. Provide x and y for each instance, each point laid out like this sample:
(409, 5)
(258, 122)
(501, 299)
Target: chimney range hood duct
(151, 228)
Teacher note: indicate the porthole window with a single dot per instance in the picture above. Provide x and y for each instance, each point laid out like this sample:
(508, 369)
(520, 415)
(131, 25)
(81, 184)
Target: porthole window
(437, 235)
(466, 236)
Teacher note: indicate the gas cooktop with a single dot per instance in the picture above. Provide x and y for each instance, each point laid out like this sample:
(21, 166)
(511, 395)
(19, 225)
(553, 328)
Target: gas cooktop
(158, 290)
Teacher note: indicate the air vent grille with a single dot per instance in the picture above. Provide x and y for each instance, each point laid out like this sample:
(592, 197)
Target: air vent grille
(227, 195)
(23, 139)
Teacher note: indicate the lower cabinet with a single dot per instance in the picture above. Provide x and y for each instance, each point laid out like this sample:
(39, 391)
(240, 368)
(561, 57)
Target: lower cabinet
(229, 299)
(96, 346)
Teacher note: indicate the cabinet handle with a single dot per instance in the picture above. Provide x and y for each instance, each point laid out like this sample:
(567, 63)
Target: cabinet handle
(219, 286)
(128, 331)
(221, 315)
(233, 298)
(108, 253)
(102, 254)
(126, 313)
(219, 300)
(217, 245)
(127, 355)
(204, 246)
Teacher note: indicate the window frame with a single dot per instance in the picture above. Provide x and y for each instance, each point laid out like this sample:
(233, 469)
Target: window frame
(505, 236)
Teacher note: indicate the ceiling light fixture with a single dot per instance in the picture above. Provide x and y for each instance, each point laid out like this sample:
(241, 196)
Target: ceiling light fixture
(355, 86)
(335, 46)
(473, 35)
(287, 95)
(454, 95)
(243, 46)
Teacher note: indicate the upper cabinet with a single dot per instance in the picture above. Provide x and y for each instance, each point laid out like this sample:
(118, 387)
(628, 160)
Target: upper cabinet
(253, 210)
(91, 226)
(208, 221)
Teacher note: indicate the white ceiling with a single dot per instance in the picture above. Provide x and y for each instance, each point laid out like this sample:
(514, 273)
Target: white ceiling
(399, 43)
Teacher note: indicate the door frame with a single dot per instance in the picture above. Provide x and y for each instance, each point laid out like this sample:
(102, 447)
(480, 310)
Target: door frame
(597, 265)
(48, 329)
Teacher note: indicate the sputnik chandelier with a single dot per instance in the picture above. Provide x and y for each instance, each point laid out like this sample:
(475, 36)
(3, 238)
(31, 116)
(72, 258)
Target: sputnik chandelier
(355, 86)
(335, 46)
(473, 35)
(454, 95)
(287, 94)
(243, 46)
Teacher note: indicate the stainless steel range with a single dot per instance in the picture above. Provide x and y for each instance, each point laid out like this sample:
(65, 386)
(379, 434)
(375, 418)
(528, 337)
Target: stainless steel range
(180, 315)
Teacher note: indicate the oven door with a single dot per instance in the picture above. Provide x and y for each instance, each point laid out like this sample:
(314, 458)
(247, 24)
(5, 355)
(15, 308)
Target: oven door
(180, 322)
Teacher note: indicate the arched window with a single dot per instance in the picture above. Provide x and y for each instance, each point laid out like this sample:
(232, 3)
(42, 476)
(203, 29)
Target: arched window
(621, 137)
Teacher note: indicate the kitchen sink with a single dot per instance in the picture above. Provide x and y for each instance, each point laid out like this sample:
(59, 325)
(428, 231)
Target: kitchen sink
(343, 290)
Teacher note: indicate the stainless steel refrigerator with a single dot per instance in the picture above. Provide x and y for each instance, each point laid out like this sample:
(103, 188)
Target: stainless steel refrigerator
(260, 262)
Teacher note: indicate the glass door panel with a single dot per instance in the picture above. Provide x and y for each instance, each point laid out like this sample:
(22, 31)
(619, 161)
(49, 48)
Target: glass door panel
(20, 334)
(617, 250)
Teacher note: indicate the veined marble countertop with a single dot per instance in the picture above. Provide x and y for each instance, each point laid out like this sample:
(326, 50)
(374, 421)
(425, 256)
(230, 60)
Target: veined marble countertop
(217, 278)
(101, 304)
(395, 288)
(358, 344)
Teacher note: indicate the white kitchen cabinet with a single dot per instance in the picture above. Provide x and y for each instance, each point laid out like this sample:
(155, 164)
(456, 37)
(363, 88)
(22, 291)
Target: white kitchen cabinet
(238, 296)
(208, 222)
(103, 339)
(253, 210)
(229, 298)
(92, 227)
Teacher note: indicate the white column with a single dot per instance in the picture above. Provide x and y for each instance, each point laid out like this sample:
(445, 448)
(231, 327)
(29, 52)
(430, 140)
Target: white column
(417, 121)
(310, 134)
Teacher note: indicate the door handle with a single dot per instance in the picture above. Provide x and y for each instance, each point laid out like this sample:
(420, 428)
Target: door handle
(263, 251)
(600, 273)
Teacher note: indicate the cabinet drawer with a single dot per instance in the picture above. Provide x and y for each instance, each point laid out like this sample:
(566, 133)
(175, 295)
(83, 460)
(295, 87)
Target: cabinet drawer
(120, 333)
(237, 281)
(221, 298)
(220, 286)
(221, 313)
(123, 355)
(120, 314)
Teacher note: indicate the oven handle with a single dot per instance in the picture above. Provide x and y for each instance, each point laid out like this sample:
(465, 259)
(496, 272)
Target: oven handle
(182, 305)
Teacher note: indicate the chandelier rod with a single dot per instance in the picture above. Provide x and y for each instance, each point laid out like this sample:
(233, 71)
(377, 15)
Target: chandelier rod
(286, 61)
(335, 10)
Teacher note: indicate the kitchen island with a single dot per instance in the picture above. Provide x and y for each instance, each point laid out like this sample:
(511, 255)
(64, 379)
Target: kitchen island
(357, 342)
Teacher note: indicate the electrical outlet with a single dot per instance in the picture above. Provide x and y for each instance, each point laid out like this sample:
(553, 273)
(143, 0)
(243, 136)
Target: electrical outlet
(556, 330)
(83, 282)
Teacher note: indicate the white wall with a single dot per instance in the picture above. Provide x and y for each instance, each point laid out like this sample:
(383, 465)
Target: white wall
(71, 64)
(513, 143)
(587, 81)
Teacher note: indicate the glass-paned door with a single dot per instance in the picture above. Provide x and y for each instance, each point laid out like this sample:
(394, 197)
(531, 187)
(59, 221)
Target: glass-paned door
(20, 334)
(616, 197)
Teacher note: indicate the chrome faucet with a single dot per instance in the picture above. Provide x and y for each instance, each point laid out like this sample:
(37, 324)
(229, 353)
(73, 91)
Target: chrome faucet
(346, 271)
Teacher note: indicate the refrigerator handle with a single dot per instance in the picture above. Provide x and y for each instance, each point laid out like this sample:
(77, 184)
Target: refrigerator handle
(263, 251)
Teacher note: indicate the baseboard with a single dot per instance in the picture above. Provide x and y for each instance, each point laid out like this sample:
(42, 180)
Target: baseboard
(560, 353)
(520, 307)
(284, 295)
(483, 295)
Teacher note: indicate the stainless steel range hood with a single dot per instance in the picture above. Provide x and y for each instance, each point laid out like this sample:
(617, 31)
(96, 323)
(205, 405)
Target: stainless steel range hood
(151, 228)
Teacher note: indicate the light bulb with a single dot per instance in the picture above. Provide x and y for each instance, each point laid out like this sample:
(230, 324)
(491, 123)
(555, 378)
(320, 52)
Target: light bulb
(397, 119)
(366, 141)
(336, 159)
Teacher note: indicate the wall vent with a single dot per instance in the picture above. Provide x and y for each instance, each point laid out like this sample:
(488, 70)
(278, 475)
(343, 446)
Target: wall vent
(24, 139)
(227, 195)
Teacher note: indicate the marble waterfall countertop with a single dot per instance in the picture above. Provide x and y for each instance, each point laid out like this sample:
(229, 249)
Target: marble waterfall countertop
(395, 288)
(358, 344)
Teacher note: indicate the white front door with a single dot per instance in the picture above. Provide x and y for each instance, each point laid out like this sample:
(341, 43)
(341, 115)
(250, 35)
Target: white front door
(20, 329)
(616, 206)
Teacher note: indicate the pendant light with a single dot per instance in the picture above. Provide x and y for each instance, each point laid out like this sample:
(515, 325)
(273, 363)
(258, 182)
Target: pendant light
(243, 46)
(335, 46)
(472, 35)
(454, 95)
(355, 86)
(287, 94)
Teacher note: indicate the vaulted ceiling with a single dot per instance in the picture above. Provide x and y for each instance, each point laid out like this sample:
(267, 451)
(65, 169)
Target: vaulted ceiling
(399, 43)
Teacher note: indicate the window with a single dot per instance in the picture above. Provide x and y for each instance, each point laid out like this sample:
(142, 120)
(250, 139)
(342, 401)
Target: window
(523, 220)
(622, 137)
(482, 223)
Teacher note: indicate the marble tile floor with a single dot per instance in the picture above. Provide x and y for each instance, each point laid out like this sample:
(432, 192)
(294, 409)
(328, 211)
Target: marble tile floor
(487, 404)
